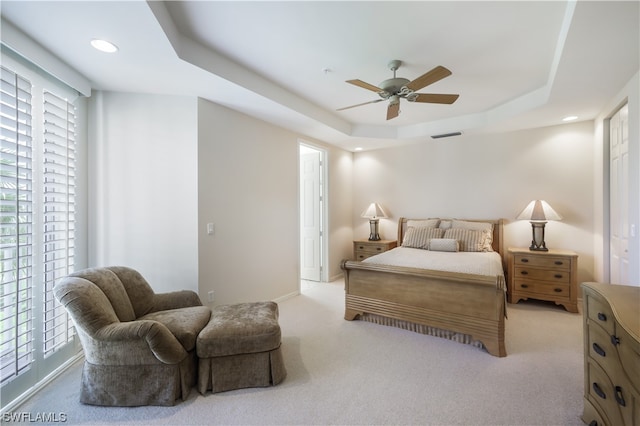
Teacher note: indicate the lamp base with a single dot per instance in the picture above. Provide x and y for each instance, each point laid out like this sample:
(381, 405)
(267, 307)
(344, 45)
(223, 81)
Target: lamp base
(373, 226)
(537, 243)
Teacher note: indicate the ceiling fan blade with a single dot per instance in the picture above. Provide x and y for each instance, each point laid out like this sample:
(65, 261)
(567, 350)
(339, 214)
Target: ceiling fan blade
(393, 110)
(365, 85)
(435, 98)
(364, 103)
(436, 74)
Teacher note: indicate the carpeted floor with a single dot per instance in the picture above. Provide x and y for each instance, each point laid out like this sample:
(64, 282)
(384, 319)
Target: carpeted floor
(359, 373)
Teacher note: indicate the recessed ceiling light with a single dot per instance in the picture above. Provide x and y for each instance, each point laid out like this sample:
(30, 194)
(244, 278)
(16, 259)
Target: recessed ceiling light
(570, 118)
(104, 46)
(358, 149)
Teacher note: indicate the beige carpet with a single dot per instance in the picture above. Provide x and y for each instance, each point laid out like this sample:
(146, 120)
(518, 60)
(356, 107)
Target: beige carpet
(359, 373)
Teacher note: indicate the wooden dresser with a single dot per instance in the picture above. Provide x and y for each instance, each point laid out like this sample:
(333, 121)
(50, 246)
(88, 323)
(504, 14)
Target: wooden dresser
(365, 248)
(611, 354)
(545, 275)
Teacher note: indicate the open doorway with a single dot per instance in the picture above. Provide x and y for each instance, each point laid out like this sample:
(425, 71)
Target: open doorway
(313, 206)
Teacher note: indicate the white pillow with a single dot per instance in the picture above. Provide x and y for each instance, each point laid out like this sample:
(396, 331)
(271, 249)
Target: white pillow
(445, 224)
(443, 244)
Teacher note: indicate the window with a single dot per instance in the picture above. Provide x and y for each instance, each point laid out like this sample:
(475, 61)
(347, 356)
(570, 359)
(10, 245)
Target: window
(16, 236)
(37, 227)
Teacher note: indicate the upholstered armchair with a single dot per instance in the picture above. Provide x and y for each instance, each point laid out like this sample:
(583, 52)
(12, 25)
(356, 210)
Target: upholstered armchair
(139, 346)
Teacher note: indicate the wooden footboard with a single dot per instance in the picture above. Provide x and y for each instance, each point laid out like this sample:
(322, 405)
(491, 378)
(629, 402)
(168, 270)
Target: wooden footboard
(462, 303)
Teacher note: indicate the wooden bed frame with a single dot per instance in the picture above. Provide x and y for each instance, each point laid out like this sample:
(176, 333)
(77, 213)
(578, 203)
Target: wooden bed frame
(469, 304)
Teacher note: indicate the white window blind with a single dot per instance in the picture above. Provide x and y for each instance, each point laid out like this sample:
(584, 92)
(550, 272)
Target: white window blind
(59, 214)
(16, 232)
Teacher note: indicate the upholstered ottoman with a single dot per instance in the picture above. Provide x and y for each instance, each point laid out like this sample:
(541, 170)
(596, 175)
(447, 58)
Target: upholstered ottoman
(240, 348)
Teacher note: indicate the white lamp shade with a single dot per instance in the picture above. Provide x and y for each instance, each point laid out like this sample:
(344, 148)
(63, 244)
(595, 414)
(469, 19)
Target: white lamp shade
(539, 211)
(374, 211)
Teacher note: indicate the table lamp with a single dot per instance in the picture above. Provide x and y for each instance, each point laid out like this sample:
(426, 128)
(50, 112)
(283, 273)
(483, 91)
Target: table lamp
(373, 213)
(538, 212)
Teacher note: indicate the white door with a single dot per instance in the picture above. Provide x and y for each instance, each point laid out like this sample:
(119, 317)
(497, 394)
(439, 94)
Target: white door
(619, 196)
(310, 214)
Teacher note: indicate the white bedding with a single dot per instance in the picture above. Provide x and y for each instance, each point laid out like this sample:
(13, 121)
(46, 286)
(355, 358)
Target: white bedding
(480, 263)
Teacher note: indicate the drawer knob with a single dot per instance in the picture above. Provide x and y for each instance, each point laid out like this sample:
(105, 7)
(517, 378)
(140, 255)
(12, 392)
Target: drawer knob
(558, 276)
(378, 248)
(557, 290)
(619, 397)
(615, 340)
(559, 262)
(598, 349)
(524, 286)
(524, 260)
(524, 272)
(598, 390)
(601, 316)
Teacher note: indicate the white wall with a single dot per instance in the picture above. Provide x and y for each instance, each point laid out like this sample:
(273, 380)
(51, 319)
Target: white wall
(487, 176)
(248, 187)
(143, 186)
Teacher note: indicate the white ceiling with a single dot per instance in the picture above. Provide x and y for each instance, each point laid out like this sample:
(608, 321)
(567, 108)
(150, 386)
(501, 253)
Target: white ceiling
(515, 64)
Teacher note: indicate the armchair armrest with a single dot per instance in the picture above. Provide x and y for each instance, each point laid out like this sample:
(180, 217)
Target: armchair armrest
(175, 300)
(135, 339)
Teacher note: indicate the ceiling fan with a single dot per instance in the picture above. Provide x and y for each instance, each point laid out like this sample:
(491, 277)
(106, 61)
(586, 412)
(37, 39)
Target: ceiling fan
(395, 88)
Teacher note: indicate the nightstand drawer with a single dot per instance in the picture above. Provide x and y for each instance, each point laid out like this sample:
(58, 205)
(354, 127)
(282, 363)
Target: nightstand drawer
(547, 262)
(363, 249)
(370, 249)
(542, 275)
(537, 288)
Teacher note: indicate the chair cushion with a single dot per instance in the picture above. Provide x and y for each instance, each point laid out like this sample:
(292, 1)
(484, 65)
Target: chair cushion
(241, 328)
(140, 293)
(184, 323)
(113, 288)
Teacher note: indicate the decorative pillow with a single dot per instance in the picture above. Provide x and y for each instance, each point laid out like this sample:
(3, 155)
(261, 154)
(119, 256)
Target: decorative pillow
(443, 244)
(419, 237)
(469, 239)
(485, 227)
(427, 223)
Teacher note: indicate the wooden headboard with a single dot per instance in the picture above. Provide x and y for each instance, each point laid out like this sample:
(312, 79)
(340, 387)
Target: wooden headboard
(498, 233)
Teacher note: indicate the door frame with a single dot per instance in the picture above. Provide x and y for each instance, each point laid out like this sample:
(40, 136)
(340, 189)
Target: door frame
(324, 209)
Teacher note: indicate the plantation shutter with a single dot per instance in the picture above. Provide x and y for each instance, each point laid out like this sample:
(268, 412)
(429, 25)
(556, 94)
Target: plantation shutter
(59, 214)
(16, 232)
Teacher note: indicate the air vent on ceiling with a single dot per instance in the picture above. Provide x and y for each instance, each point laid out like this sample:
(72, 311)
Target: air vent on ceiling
(446, 135)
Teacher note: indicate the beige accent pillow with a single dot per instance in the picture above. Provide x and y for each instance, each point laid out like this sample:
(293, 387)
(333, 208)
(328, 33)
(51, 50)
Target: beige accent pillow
(420, 237)
(443, 244)
(485, 227)
(426, 223)
(469, 239)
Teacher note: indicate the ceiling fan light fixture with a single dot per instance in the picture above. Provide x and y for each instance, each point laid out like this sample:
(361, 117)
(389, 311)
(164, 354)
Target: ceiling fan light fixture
(393, 89)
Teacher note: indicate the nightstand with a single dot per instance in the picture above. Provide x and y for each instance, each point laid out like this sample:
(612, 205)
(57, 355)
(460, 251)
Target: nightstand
(365, 248)
(543, 275)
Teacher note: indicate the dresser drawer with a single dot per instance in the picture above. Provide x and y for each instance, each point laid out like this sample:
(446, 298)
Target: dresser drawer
(542, 275)
(546, 262)
(592, 416)
(603, 394)
(603, 352)
(537, 288)
(600, 313)
(629, 353)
